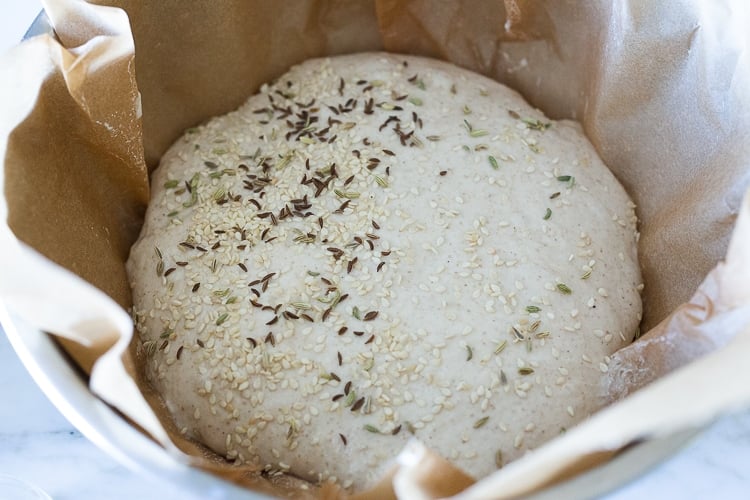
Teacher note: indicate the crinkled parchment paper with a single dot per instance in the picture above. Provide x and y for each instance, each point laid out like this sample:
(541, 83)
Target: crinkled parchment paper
(662, 89)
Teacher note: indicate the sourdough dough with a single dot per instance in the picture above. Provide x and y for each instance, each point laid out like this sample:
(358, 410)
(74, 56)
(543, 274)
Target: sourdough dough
(376, 247)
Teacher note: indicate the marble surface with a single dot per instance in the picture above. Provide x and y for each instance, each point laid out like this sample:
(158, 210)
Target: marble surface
(38, 445)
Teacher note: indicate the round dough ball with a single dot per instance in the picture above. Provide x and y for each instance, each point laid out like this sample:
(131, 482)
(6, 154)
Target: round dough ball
(377, 247)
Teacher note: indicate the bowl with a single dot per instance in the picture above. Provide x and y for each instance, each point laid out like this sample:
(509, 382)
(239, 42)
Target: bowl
(66, 387)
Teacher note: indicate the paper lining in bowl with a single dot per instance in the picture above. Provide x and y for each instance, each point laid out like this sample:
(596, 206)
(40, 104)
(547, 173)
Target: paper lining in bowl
(65, 386)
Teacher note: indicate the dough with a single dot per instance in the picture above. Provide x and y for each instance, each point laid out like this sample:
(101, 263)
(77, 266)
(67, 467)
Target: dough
(378, 247)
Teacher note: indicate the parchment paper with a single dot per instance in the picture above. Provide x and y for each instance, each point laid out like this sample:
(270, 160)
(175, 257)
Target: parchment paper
(662, 89)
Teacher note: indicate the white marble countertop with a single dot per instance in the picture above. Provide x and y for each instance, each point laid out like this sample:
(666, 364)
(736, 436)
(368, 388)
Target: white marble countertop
(38, 445)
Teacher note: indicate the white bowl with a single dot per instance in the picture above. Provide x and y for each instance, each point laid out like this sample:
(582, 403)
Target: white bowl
(66, 387)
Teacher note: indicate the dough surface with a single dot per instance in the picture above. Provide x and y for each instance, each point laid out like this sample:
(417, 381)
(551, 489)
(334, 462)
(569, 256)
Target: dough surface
(376, 247)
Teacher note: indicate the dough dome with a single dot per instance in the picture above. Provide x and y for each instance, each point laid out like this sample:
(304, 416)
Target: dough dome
(377, 247)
